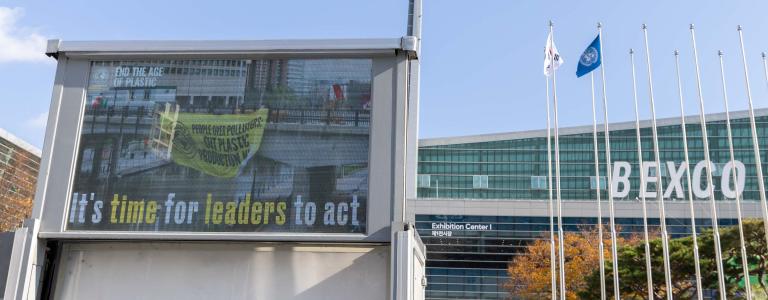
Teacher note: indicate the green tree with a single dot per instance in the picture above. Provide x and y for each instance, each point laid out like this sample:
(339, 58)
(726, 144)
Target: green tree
(283, 96)
(632, 270)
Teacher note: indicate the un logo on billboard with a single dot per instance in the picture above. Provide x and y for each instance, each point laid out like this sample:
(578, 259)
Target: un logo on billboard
(589, 57)
(100, 76)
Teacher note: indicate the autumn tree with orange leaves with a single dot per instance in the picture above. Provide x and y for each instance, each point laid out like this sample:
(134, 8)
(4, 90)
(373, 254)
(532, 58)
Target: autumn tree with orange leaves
(529, 273)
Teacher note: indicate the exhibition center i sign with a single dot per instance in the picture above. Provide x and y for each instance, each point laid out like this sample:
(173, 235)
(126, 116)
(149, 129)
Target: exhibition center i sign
(273, 145)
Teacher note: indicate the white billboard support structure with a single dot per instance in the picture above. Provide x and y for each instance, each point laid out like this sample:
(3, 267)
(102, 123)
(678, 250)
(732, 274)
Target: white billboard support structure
(412, 259)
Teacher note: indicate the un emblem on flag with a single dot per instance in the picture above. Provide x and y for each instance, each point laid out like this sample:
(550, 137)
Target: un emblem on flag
(589, 57)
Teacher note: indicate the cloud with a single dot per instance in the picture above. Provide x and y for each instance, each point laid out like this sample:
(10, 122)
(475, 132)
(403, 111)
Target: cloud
(37, 122)
(19, 44)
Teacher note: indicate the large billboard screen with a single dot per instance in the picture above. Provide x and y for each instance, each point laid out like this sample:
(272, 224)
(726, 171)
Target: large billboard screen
(270, 145)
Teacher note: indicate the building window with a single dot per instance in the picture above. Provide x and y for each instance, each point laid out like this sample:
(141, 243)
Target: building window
(480, 181)
(5, 154)
(424, 181)
(652, 170)
(538, 182)
(593, 183)
(718, 169)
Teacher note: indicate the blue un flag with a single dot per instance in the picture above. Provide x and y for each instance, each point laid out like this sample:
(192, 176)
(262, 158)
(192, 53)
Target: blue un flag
(590, 59)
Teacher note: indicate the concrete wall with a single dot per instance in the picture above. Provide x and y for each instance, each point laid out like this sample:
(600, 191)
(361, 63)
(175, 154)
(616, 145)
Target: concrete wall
(222, 270)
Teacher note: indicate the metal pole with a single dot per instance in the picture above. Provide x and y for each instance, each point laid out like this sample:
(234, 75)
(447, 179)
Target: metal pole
(696, 263)
(649, 271)
(755, 143)
(552, 255)
(765, 67)
(557, 176)
(597, 185)
(744, 263)
(763, 203)
(614, 253)
(711, 192)
(659, 178)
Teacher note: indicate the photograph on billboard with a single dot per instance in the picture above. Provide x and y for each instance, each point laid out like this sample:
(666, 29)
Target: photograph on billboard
(269, 145)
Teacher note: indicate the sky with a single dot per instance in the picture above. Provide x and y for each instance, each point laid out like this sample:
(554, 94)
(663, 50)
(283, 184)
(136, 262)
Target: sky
(482, 61)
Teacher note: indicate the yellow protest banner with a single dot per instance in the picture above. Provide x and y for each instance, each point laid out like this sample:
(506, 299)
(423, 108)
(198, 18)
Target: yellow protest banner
(217, 145)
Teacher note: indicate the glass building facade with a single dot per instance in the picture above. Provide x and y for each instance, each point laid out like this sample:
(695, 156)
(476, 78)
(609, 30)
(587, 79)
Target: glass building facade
(468, 253)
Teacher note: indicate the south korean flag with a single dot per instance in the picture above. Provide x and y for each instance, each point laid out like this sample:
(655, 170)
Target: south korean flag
(552, 59)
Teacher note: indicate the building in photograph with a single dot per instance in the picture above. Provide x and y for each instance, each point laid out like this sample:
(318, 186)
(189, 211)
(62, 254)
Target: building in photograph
(19, 164)
(482, 199)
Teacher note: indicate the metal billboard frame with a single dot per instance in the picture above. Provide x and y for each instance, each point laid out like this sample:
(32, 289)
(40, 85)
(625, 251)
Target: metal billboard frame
(390, 136)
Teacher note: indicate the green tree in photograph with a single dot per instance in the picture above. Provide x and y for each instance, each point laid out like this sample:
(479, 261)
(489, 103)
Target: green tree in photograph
(283, 97)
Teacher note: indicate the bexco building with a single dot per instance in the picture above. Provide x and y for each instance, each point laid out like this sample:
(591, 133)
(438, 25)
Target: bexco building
(482, 199)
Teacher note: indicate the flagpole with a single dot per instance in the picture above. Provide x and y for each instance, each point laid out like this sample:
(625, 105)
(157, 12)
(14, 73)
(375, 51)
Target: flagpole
(597, 185)
(755, 143)
(705, 140)
(765, 67)
(763, 204)
(744, 263)
(552, 255)
(614, 253)
(659, 178)
(649, 271)
(696, 263)
(557, 175)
